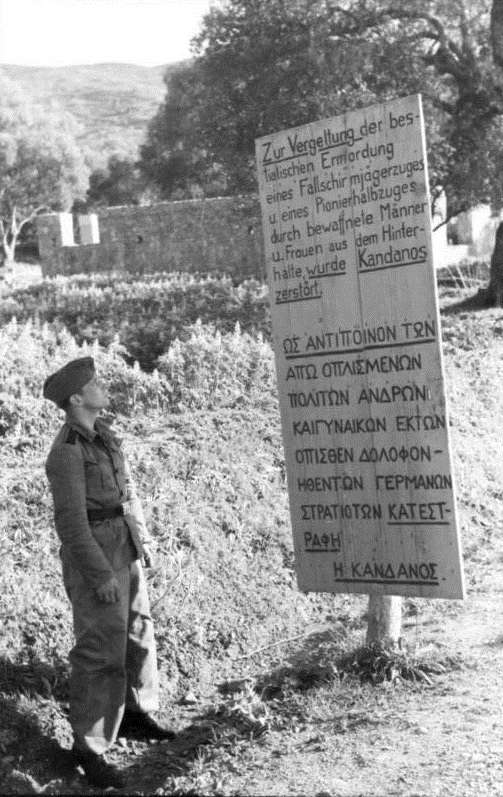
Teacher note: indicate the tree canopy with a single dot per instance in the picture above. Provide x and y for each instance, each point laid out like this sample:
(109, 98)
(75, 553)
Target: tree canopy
(118, 184)
(264, 65)
(40, 163)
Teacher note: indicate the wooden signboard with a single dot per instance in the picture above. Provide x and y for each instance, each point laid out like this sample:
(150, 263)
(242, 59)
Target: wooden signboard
(347, 229)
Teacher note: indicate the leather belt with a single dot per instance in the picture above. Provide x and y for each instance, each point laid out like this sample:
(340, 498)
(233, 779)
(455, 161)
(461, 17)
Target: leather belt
(107, 513)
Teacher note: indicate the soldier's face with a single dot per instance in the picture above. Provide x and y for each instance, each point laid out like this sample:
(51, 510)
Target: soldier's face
(94, 395)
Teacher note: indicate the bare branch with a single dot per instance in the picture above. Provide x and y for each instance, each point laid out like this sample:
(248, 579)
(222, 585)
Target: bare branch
(395, 12)
(446, 44)
(32, 215)
(463, 208)
(403, 13)
(25, 221)
(445, 63)
(13, 223)
(447, 58)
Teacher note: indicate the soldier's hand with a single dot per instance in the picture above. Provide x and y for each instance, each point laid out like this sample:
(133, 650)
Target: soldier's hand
(109, 591)
(148, 556)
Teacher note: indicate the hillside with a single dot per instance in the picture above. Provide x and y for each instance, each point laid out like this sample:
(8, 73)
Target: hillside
(112, 103)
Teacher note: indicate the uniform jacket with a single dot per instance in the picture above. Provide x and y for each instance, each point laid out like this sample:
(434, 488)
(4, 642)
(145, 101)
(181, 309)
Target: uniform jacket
(88, 470)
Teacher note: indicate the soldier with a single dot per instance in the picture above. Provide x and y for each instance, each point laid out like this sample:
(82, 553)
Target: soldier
(99, 520)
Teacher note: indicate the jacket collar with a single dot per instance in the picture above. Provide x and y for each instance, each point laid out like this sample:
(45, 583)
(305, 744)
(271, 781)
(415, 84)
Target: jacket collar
(100, 428)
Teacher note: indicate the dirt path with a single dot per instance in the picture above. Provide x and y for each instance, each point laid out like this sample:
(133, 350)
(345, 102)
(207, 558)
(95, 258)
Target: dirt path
(442, 740)
(446, 740)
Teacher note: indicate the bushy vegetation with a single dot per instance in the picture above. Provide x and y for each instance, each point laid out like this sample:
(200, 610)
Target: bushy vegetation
(203, 438)
(145, 314)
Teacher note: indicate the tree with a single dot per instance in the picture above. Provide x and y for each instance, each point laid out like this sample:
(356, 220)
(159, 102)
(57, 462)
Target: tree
(333, 57)
(176, 157)
(41, 167)
(258, 70)
(264, 65)
(119, 184)
(459, 44)
(449, 45)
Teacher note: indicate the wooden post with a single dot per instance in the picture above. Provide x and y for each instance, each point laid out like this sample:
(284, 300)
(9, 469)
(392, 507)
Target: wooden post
(384, 620)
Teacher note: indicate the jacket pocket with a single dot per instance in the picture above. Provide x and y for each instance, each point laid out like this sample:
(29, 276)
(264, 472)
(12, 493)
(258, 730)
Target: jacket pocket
(92, 469)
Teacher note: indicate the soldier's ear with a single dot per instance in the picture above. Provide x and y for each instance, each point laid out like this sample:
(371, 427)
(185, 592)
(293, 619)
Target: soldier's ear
(75, 400)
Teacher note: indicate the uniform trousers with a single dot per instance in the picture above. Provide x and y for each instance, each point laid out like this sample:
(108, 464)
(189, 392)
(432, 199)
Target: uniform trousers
(113, 662)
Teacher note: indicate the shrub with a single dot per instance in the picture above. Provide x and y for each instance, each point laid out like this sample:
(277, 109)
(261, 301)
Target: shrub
(211, 370)
(145, 314)
(213, 487)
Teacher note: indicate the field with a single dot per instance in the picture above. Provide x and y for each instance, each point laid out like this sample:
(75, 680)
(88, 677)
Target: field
(269, 688)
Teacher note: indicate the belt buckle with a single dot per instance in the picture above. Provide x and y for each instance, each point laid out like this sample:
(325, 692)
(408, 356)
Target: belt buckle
(128, 507)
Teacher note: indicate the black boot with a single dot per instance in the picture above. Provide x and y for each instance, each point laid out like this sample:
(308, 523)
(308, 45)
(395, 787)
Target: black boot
(98, 772)
(138, 725)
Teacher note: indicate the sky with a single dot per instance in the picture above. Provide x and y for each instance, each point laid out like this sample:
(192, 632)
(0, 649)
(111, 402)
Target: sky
(65, 32)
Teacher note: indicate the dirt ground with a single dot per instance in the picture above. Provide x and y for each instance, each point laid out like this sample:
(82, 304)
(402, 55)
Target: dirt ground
(438, 739)
(442, 740)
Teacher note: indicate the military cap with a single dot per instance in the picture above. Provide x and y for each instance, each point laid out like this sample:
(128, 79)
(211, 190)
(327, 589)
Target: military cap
(69, 379)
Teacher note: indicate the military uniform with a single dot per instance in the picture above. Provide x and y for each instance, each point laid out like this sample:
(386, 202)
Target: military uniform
(101, 526)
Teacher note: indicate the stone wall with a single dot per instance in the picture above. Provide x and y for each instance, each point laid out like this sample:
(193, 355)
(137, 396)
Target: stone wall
(208, 235)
